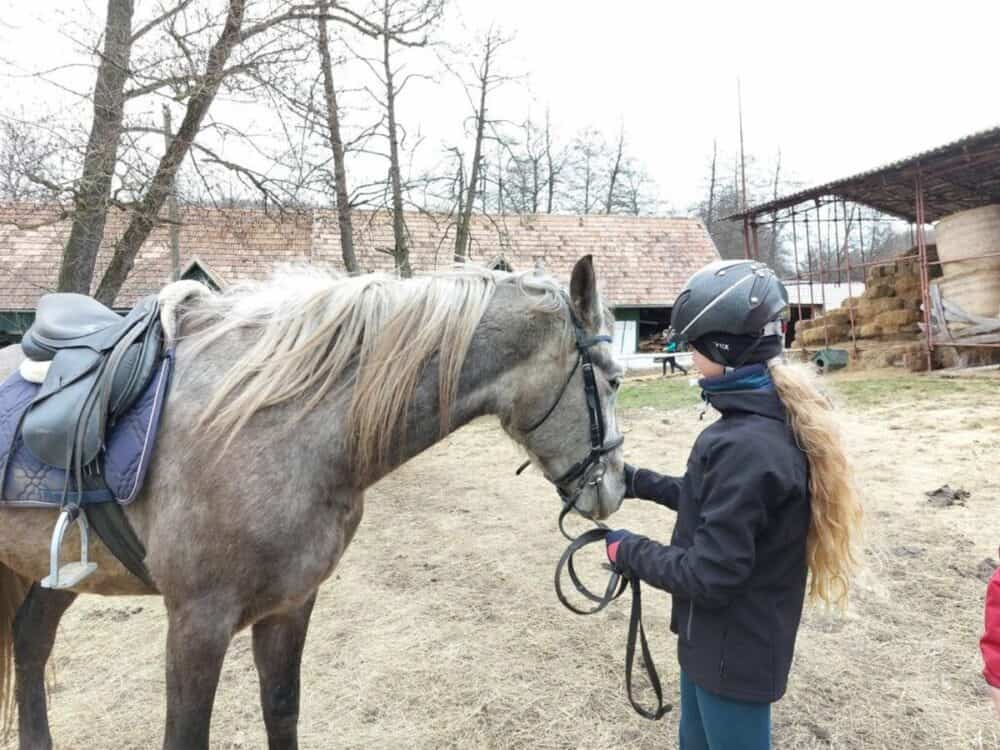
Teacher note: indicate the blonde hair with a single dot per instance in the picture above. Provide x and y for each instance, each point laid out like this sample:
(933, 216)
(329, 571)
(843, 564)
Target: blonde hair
(831, 546)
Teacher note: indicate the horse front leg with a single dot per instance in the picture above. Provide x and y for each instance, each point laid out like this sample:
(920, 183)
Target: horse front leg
(35, 627)
(277, 649)
(198, 636)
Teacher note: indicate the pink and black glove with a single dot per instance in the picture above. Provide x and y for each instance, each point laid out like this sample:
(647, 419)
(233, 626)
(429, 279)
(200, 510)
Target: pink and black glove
(611, 542)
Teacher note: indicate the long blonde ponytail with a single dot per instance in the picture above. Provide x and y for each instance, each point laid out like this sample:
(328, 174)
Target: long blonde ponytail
(836, 510)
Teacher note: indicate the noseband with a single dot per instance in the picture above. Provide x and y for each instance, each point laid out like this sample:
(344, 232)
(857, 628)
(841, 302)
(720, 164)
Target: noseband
(589, 470)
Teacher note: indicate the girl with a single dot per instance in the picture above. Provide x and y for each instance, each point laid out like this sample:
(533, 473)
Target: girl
(766, 499)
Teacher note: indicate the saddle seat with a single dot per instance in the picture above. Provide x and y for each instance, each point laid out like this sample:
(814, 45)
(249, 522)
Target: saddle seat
(63, 321)
(100, 362)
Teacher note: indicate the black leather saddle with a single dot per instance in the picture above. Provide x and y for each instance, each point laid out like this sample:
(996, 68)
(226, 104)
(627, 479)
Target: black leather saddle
(100, 362)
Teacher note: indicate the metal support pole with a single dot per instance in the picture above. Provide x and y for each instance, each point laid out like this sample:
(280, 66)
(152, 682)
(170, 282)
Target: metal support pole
(836, 239)
(756, 244)
(812, 302)
(746, 238)
(822, 290)
(850, 294)
(924, 273)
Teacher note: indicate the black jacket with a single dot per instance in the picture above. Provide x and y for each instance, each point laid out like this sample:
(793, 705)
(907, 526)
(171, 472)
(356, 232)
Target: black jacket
(736, 565)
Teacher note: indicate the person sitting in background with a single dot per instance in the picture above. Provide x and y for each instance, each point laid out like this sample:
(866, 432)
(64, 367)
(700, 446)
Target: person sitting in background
(989, 644)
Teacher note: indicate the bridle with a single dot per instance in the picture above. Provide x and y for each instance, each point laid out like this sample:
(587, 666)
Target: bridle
(586, 472)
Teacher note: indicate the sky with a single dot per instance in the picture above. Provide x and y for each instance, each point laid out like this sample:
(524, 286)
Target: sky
(837, 87)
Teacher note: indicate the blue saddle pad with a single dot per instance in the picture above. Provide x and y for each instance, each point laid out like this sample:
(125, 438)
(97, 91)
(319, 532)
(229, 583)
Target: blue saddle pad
(27, 482)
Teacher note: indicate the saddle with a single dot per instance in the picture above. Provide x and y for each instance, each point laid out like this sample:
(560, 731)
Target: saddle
(99, 363)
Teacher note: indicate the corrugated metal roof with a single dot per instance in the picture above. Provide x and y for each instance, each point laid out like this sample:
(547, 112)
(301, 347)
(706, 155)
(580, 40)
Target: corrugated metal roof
(942, 196)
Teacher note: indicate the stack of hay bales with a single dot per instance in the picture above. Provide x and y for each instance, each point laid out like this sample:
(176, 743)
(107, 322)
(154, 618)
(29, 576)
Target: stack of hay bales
(889, 309)
(970, 281)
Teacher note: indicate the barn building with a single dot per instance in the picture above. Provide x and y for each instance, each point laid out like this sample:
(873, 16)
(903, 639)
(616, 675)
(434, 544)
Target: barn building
(642, 262)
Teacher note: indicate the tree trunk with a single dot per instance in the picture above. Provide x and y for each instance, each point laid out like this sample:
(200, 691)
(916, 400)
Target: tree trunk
(337, 145)
(615, 169)
(711, 185)
(172, 213)
(401, 250)
(144, 218)
(550, 181)
(76, 272)
(462, 233)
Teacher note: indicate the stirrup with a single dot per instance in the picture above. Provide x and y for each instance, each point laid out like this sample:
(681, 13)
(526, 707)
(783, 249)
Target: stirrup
(69, 575)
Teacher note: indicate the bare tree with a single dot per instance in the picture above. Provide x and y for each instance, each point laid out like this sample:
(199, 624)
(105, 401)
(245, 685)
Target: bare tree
(202, 90)
(486, 80)
(615, 171)
(554, 163)
(24, 164)
(94, 188)
(589, 153)
(710, 212)
(525, 175)
(403, 23)
(337, 146)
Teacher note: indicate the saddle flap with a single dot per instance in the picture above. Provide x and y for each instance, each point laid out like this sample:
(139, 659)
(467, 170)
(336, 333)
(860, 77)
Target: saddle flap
(64, 422)
(66, 368)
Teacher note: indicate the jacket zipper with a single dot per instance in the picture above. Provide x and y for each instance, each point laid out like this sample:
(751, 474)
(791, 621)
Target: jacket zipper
(690, 619)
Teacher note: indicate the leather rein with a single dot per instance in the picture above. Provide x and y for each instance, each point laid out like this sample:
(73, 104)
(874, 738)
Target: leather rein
(590, 471)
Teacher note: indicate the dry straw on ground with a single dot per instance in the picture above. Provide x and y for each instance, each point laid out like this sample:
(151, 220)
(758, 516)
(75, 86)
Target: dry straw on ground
(440, 628)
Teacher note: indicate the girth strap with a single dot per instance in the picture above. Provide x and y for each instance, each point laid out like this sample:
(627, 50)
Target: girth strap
(112, 526)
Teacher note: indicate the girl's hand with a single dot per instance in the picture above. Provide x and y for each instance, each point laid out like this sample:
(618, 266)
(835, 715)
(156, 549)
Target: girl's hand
(995, 692)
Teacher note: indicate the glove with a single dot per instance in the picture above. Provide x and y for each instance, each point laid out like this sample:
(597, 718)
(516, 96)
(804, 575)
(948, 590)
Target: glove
(611, 542)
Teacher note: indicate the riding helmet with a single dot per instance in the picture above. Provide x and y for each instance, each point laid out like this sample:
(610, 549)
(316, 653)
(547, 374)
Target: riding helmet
(729, 311)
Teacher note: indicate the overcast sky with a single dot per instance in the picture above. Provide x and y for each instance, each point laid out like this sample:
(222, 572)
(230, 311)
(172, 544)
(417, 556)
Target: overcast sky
(839, 87)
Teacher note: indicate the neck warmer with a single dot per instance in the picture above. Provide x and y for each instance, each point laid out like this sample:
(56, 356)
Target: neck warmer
(748, 378)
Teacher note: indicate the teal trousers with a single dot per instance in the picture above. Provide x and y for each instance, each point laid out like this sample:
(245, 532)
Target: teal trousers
(711, 722)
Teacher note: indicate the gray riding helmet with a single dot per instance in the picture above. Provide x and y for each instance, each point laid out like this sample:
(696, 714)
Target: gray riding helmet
(734, 298)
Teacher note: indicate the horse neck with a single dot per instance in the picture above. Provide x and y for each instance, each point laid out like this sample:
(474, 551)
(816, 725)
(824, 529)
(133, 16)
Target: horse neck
(503, 343)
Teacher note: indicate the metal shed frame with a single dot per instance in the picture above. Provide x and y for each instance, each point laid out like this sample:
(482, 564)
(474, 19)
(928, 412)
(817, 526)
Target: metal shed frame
(920, 189)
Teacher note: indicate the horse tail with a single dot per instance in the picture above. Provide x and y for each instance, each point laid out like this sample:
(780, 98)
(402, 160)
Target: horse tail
(13, 590)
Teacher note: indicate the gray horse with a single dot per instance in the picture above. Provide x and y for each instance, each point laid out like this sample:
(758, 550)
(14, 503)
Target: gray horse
(289, 399)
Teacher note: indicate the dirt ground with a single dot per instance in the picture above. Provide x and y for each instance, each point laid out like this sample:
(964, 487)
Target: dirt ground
(440, 628)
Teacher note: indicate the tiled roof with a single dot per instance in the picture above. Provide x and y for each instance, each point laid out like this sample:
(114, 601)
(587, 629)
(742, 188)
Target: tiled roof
(639, 260)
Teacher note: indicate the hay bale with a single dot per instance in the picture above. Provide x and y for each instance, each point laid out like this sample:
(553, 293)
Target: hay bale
(876, 358)
(870, 308)
(820, 334)
(838, 317)
(879, 290)
(876, 273)
(907, 286)
(895, 320)
(870, 331)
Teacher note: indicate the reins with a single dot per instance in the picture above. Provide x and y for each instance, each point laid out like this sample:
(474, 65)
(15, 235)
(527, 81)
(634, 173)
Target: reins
(617, 583)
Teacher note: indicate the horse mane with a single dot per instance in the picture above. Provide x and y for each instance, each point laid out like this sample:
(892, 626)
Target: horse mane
(372, 335)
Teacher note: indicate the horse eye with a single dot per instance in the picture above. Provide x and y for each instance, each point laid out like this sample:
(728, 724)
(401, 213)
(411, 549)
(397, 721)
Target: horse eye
(616, 383)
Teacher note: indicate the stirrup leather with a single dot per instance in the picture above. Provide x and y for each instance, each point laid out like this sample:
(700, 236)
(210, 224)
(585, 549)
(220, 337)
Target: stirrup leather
(69, 575)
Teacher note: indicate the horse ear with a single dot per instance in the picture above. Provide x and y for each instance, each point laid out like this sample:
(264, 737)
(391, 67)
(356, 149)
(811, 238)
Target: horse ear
(583, 293)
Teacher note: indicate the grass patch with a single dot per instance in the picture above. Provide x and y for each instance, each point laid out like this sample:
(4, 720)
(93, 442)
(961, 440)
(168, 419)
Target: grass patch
(881, 390)
(857, 391)
(661, 393)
